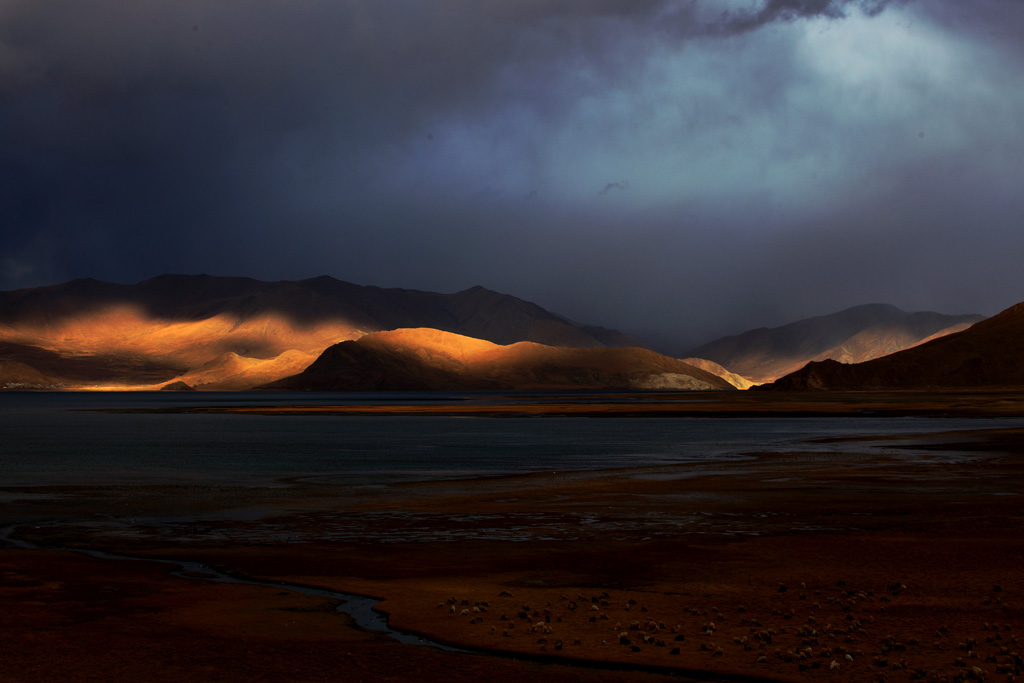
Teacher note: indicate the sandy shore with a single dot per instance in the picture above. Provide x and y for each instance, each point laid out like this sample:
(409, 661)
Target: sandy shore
(856, 565)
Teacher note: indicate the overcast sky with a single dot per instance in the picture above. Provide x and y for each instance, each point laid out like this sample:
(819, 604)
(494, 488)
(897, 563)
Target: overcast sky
(702, 165)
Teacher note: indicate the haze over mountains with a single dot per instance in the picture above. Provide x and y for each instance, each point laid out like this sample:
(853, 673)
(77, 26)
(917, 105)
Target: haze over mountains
(988, 354)
(851, 336)
(222, 333)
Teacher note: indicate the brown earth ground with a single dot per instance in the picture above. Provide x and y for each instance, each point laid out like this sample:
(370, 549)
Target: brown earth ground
(852, 561)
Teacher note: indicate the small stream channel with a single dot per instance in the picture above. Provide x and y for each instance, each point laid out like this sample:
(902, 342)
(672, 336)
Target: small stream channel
(359, 607)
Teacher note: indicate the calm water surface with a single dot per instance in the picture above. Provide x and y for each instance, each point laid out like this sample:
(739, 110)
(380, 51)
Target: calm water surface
(59, 438)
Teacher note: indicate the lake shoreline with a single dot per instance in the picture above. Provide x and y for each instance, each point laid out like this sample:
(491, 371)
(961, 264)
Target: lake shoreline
(939, 403)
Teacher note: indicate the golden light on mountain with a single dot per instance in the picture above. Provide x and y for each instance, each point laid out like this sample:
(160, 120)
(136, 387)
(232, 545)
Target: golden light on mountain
(128, 329)
(426, 359)
(223, 351)
(238, 333)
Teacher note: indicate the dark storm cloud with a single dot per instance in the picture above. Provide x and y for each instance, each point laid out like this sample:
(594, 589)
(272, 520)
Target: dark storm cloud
(167, 127)
(771, 173)
(791, 10)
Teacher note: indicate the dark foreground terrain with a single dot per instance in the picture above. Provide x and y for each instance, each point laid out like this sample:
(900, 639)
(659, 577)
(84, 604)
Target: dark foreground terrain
(851, 563)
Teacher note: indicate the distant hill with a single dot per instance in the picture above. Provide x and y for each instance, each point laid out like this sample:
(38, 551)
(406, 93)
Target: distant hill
(427, 359)
(989, 354)
(235, 333)
(850, 336)
(18, 376)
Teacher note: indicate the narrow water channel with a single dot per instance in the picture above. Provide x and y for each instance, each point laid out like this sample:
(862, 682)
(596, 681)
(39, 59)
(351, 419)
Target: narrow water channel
(359, 607)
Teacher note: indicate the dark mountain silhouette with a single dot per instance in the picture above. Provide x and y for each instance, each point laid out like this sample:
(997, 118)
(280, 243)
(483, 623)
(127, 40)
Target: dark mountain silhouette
(988, 354)
(477, 311)
(850, 336)
(430, 360)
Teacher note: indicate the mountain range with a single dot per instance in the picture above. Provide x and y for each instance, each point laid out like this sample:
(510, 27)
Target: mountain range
(229, 333)
(854, 335)
(989, 354)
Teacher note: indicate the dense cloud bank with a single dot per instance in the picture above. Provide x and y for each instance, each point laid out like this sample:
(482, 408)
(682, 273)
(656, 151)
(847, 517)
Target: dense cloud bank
(708, 166)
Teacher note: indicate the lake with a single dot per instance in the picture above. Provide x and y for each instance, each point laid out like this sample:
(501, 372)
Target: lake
(69, 439)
